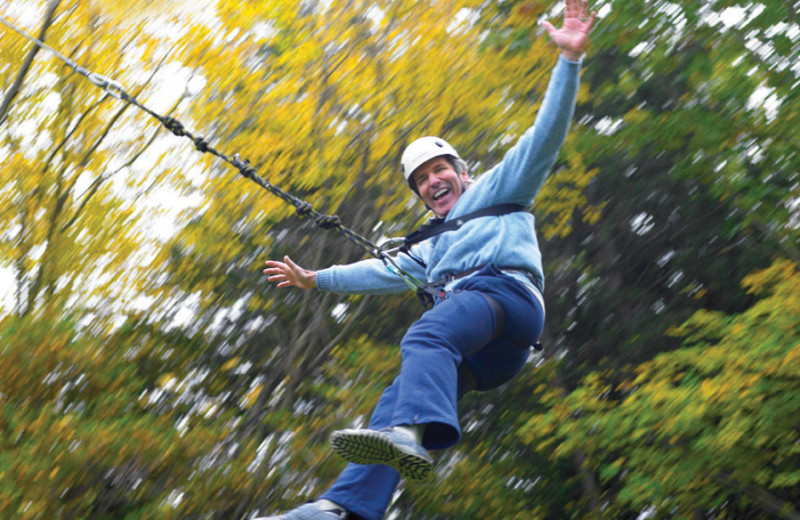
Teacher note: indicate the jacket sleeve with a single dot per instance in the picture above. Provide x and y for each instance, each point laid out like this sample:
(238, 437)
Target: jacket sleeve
(370, 276)
(524, 168)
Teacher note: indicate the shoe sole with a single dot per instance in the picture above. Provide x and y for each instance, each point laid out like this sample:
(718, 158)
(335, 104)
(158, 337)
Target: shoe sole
(371, 447)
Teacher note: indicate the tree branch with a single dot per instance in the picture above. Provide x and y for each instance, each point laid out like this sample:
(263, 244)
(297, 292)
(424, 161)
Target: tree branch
(89, 193)
(766, 501)
(17, 85)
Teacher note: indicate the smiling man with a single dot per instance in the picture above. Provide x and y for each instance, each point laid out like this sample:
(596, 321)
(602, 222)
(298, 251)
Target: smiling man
(489, 307)
(437, 174)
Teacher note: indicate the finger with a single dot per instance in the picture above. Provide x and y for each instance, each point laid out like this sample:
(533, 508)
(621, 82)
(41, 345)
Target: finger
(584, 9)
(590, 23)
(295, 269)
(549, 28)
(571, 9)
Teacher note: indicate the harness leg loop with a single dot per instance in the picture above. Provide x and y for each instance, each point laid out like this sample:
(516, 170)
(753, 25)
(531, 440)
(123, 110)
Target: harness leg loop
(500, 322)
(499, 316)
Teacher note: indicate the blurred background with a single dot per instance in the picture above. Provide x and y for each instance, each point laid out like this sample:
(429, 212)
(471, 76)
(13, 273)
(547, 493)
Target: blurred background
(148, 370)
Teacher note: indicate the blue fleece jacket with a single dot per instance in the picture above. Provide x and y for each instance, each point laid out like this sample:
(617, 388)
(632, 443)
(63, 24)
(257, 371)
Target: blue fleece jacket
(507, 241)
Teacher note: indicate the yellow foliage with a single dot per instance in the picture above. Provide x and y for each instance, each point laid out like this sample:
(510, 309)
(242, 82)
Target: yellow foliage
(252, 396)
(563, 193)
(230, 364)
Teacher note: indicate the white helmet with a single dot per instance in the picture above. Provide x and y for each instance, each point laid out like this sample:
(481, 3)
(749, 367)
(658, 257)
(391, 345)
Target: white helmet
(425, 149)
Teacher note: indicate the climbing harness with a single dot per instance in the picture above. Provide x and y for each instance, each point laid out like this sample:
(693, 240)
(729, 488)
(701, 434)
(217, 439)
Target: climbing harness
(437, 226)
(428, 292)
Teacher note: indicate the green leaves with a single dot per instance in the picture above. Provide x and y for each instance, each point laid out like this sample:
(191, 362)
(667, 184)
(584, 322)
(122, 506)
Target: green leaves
(722, 407)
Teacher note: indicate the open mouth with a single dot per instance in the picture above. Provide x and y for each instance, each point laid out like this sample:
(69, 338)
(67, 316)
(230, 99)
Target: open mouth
(441, 193)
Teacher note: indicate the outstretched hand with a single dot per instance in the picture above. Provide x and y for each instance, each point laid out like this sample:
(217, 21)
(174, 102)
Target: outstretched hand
(288, 273)
(571, 38)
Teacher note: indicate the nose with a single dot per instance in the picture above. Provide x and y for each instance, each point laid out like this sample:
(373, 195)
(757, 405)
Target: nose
(433, 180)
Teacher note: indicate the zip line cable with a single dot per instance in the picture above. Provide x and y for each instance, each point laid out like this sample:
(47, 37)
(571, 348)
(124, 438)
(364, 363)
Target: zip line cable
(303, 208)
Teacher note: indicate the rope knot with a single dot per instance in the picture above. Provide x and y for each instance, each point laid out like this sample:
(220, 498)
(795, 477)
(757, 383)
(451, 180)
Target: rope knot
(174, 126)
(200, 144)
(328, 221)
(303, 208)
(247, 171)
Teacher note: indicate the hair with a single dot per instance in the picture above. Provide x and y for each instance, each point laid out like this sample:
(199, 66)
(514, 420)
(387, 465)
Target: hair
(459, 165)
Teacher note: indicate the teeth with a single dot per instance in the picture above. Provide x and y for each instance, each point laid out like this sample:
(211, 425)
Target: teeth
(439, 193)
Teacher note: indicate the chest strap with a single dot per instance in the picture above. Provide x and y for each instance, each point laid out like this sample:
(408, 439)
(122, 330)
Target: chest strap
(439, 225)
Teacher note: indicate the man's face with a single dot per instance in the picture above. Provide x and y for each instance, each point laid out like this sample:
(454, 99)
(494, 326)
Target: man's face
(439, 184)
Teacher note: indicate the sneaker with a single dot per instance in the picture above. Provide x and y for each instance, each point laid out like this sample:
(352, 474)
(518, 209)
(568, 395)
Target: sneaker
(307, 512)
(387, 446)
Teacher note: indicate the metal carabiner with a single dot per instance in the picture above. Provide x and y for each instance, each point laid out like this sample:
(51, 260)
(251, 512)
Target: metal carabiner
(393, 267)
(400, 241)
(112, 87)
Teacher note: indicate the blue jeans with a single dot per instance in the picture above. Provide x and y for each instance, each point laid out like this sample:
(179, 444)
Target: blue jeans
(458, 329)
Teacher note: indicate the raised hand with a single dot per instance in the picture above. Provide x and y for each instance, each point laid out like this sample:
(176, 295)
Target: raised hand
(571, 38)
(288, 273)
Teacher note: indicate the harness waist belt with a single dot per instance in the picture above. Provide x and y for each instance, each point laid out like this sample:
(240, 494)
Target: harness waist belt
(441, 282)
(534, 281)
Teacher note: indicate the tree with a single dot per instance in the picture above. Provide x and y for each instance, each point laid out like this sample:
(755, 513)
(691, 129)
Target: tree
(212, 397)
(710, 426)
(688, 205)
(69, 214)
(81, 439)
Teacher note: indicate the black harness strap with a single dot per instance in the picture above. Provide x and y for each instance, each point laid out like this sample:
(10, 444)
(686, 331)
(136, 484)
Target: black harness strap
(499, 316)
(438, 226)
(500, 322)
(466, 374)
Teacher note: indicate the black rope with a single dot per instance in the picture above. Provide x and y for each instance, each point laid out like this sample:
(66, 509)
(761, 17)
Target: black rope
(303, 208)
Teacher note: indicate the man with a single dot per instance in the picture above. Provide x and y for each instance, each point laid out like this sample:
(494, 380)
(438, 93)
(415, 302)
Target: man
(488, 309)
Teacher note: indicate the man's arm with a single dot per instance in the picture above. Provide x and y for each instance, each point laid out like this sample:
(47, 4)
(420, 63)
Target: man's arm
(524, 168)
(365, 277)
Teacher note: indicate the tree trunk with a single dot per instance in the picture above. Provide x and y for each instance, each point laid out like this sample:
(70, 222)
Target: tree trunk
(17, 85)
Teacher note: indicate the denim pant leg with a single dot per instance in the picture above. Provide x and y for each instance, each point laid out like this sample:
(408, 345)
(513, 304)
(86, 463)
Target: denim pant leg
(458, 328)
(366, 490)
(431, 351)
(500, 360)
(433, 348)
(462, 328)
